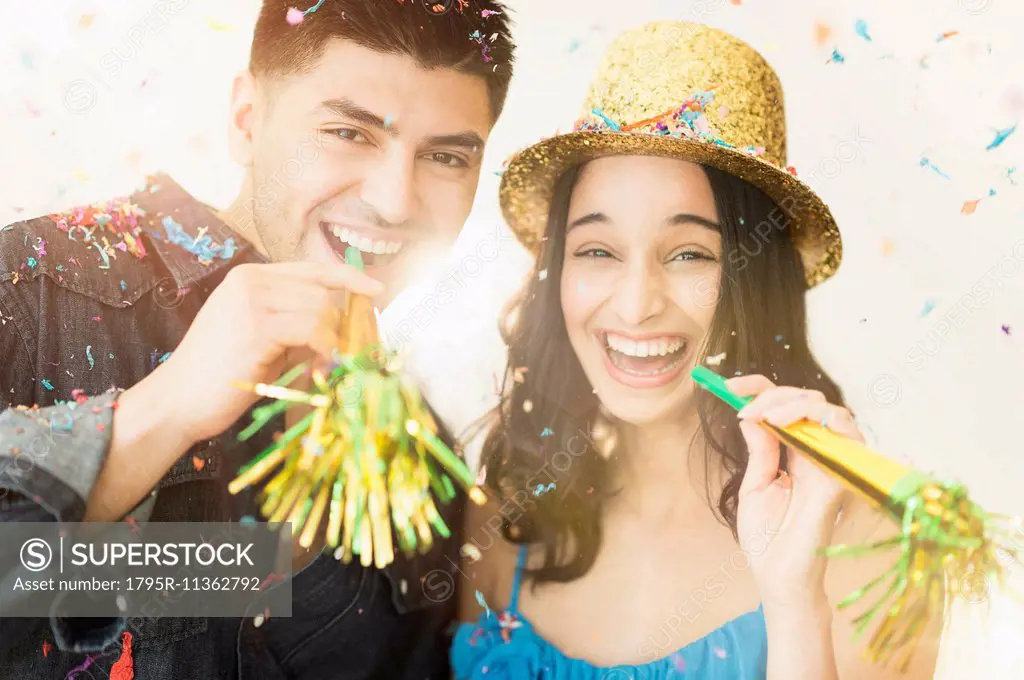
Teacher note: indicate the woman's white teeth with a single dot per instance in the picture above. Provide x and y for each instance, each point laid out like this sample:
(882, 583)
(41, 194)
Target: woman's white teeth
(367, 245)
(644, 348)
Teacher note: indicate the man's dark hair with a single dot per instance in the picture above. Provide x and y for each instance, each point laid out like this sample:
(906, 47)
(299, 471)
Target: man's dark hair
(460, 38)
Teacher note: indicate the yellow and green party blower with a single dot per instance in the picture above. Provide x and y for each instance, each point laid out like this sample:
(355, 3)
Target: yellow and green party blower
(942, 536)
(367, 456)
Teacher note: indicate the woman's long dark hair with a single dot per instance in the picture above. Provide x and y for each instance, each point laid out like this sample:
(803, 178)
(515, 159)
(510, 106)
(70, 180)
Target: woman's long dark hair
(542, 425)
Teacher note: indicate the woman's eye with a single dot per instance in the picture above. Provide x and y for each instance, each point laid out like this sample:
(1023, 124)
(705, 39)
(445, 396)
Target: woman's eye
(449, 160)
(593, 252)
(687, 255)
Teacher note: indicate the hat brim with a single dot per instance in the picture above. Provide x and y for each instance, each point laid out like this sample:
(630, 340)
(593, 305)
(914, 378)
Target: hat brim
(528, 184)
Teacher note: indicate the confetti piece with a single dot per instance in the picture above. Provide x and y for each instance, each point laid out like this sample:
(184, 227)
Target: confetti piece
(778, 338)
(88, 355)
(836, 58)
(546, 432)
(85, 21)
(719, 652)
(1001, 136)
(679, 662)
(470, 552)
(928, 164)
(573, 46)
(527, 406)
(947, 35)
(480, 601)
(198, 463)
(258, 620)
(388, 120)
(542, 275)
(541, 489)
(46, 383)
(518, 374)
(969, 207)
(218, 26)
(821, 33)
(294, 16)
(1005, 329)
(164, 358)
(715, 360)
(27, 60)
(487, 12)
(736, 2)
(861, 27)
(46, 648)
(608, 121)
(928, 307)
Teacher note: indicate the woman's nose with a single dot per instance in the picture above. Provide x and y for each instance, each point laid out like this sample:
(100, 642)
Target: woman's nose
(639, 294)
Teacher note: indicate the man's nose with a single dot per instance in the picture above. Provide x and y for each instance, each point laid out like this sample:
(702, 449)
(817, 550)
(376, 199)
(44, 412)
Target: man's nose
(389, 187)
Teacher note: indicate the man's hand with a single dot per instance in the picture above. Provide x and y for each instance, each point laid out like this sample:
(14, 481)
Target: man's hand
(243, 332)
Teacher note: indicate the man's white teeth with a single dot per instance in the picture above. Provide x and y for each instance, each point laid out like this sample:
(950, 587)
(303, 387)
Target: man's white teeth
(367, 245)
(644, 348)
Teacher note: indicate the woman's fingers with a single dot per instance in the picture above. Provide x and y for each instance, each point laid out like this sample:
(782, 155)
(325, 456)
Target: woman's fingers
(763, 462)
(835, 418)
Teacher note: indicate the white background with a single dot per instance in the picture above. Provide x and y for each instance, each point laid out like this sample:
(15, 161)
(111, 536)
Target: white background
(75, 130)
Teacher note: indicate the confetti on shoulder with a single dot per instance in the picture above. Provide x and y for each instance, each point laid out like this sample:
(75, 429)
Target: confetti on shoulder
(202, 245)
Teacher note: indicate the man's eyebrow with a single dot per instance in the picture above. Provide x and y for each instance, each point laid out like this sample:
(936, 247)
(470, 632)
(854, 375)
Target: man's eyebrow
(346, 108)
(467, 140)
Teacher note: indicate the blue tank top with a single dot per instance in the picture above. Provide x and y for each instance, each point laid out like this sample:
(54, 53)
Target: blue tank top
(504, 646)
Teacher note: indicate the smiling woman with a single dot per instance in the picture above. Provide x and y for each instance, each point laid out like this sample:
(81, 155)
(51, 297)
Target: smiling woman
(635, 218)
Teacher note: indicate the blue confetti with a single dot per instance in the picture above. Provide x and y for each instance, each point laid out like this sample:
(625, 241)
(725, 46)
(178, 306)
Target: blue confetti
(164, 358)
(608, 121)
(388, 120)
(928, 307)
(836, 58)
(88, 355)
(313, 8)
(925, 163)
(204, 248)
(573, 46)
(124, 286)
(31, 262)
(547, 432)
(1001, 136)
(247, 519)
(46, 384)
(27, 60)
(541, 489)
(480, 601)
(778, 338)
(1009, 175)
(862, 29)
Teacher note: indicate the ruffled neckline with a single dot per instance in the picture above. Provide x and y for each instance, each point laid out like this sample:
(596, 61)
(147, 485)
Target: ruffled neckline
(506, 645)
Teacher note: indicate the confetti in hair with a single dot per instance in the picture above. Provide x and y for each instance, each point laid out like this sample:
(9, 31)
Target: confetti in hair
(295, 16)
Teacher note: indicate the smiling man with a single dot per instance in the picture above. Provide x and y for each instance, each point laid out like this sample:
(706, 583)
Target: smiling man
(361, 125)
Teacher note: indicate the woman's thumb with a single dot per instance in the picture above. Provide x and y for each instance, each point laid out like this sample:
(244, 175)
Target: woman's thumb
(763, 459)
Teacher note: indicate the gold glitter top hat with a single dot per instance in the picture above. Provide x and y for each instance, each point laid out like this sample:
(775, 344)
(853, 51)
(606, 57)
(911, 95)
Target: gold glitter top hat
(686, 91)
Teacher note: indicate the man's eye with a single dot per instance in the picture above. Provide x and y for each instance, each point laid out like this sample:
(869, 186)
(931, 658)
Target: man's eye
(446, 159)
(348, 134)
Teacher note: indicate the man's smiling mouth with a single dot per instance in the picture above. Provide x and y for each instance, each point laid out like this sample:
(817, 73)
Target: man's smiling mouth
(375, 251)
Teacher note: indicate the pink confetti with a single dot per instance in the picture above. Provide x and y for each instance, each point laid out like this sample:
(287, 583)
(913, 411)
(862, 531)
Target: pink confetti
(719, 652)
(487, 12)
(294, 16)
(679, 662)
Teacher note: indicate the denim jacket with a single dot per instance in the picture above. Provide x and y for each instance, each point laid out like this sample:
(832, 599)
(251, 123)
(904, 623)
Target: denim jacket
(91, 301)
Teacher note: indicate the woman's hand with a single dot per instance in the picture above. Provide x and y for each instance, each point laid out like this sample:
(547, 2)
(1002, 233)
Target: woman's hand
(784, 518)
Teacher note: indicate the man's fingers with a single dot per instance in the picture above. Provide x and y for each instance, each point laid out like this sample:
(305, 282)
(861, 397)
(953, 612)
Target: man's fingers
(302, 328)
(335, 276)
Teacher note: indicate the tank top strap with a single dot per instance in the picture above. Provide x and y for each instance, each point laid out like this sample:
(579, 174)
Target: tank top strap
(517, 579)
